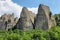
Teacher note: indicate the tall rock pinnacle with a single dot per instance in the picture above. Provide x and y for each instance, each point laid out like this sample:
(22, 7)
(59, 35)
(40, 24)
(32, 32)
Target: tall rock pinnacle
(43, 19)
(26, 20)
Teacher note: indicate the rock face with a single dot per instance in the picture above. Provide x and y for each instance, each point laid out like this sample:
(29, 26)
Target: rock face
(2, 25)
(44, 18)
(7, 21)
(26, 19)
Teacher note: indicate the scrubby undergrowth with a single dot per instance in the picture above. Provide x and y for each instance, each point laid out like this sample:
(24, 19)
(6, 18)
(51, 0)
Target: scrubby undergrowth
(51, 34)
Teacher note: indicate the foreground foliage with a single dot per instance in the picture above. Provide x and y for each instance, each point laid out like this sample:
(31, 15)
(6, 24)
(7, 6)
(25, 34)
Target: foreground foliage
(52, 34)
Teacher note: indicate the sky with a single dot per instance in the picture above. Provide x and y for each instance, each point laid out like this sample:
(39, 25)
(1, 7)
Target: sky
(15, 6)
(53, 4)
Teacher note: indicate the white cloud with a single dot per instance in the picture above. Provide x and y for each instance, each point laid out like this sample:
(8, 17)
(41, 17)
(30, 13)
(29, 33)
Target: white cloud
(8, 6)
(34, 10)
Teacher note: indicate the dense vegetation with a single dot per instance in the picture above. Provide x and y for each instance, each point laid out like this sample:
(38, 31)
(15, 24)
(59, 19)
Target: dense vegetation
(52, 34)
(57, 18)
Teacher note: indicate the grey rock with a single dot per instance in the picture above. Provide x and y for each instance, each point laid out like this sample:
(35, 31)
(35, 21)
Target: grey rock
(26, 20)
(8, 21)
(43, 19)
(2, 25)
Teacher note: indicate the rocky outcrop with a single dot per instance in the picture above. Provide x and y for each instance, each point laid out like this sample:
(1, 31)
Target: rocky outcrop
(26, 19)
(44, 18)
(7, 21)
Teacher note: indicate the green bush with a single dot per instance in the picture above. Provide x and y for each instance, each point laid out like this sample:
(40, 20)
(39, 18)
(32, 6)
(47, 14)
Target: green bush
(51, 34)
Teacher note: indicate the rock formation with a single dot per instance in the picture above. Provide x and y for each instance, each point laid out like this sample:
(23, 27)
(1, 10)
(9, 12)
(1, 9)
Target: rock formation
(44, 18)
(26, 19)
(7, 21)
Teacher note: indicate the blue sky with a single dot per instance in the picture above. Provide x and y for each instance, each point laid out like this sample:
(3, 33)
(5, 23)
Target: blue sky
(53, 4)
(15, 6)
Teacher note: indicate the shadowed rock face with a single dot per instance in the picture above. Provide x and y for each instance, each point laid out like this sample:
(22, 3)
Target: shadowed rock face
(26, 20)
(43, 19)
